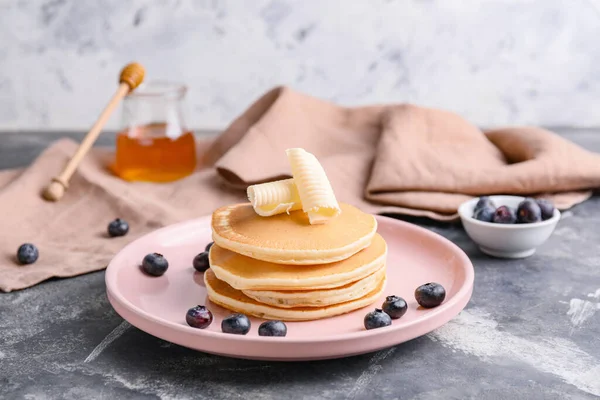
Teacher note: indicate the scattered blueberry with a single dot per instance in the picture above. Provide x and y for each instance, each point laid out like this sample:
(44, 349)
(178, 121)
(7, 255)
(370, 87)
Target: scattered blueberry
(394, 306)
(199, 317)
(238, 324)
(118, 227)
(377, 319)
(547, 208)
(155, 264)
(528, 212)
(485, 214)
(27, 254)
(430, 295)
(272, 328)
(201, 262)
(208, 246)
(483, 202)
(505, 215)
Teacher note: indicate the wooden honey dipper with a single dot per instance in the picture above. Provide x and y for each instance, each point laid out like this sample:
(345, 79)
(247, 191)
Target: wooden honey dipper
(131, 77)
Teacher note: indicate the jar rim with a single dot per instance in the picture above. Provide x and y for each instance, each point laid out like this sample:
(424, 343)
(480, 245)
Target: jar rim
(159, 88)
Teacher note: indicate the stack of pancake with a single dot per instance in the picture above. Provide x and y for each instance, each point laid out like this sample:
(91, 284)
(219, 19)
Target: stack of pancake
(283, 267)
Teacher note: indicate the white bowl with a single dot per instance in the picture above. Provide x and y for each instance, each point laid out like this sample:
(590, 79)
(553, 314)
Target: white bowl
(506, 240)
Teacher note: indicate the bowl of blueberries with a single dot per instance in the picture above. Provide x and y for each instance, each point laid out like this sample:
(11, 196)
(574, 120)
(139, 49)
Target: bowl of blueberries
(508, 226)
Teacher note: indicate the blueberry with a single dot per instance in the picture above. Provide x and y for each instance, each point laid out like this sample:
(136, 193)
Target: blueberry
(208, 246)
(118, 227)
(272, 328)
(394, 306)
(484, 201)
(430, 295)
(27, 254)
(377, 319)
(547, 208)
(238, 324)
(485, 214)
(155, 264)
(199, 317)
(201, 262)
(528, 212)
(505, 215)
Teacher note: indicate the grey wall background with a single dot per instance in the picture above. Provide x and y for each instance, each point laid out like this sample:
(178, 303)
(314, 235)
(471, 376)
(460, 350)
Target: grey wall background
(495, 61)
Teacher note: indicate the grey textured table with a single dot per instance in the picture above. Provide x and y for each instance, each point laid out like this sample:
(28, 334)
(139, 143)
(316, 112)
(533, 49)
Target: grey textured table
(530, 331)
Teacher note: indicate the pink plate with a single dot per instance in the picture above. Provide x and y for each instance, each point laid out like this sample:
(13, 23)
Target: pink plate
(157, 305)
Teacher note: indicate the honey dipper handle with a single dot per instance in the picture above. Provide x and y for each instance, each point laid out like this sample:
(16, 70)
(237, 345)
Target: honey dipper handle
(93, 134)
(131, 76)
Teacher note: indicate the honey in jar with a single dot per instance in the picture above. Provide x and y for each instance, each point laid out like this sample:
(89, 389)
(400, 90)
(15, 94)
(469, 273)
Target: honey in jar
(154, 145)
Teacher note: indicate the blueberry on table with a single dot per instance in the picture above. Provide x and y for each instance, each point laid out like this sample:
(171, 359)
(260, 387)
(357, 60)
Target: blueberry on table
(155, 264)
(208, 246)
(505, 215)
(394, 306)
(27, 254)
(484, 201)
(201, 263)
(118, 227)
(199, 317)
(237, 324)
(485, 214)
(430, 295)
(272, 328)
(528, 212)
(546, 207)
(377, 319)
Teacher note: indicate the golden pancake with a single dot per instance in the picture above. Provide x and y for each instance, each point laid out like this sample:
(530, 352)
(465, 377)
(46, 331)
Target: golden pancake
(319, 298)
(225, 296)
(245, 273)
(290, 238)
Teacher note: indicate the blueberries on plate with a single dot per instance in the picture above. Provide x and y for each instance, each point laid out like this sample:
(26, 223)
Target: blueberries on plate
(27, 254)
(155, 264)
(483, 202)
(201, 263)
(199, 317)
(272, 328)
(377, 319)
(546, 207)
(505, 215)
(208, 246)
(430, 295)
(237, 324)
(394, 306)
(118, 227)
(485, 214)
(528, 212)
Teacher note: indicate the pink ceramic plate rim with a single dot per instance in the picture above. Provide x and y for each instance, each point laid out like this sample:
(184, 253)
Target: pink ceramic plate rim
(453, 305)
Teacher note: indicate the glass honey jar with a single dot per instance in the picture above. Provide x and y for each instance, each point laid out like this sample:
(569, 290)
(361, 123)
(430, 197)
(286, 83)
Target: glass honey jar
(154, 144)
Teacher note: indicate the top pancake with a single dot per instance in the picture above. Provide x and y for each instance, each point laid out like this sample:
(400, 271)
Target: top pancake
(291, 239)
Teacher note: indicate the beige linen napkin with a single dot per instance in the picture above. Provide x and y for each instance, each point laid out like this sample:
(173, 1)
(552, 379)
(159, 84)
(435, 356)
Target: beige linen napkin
(384, 159)
(402, 158)
(71, 234)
